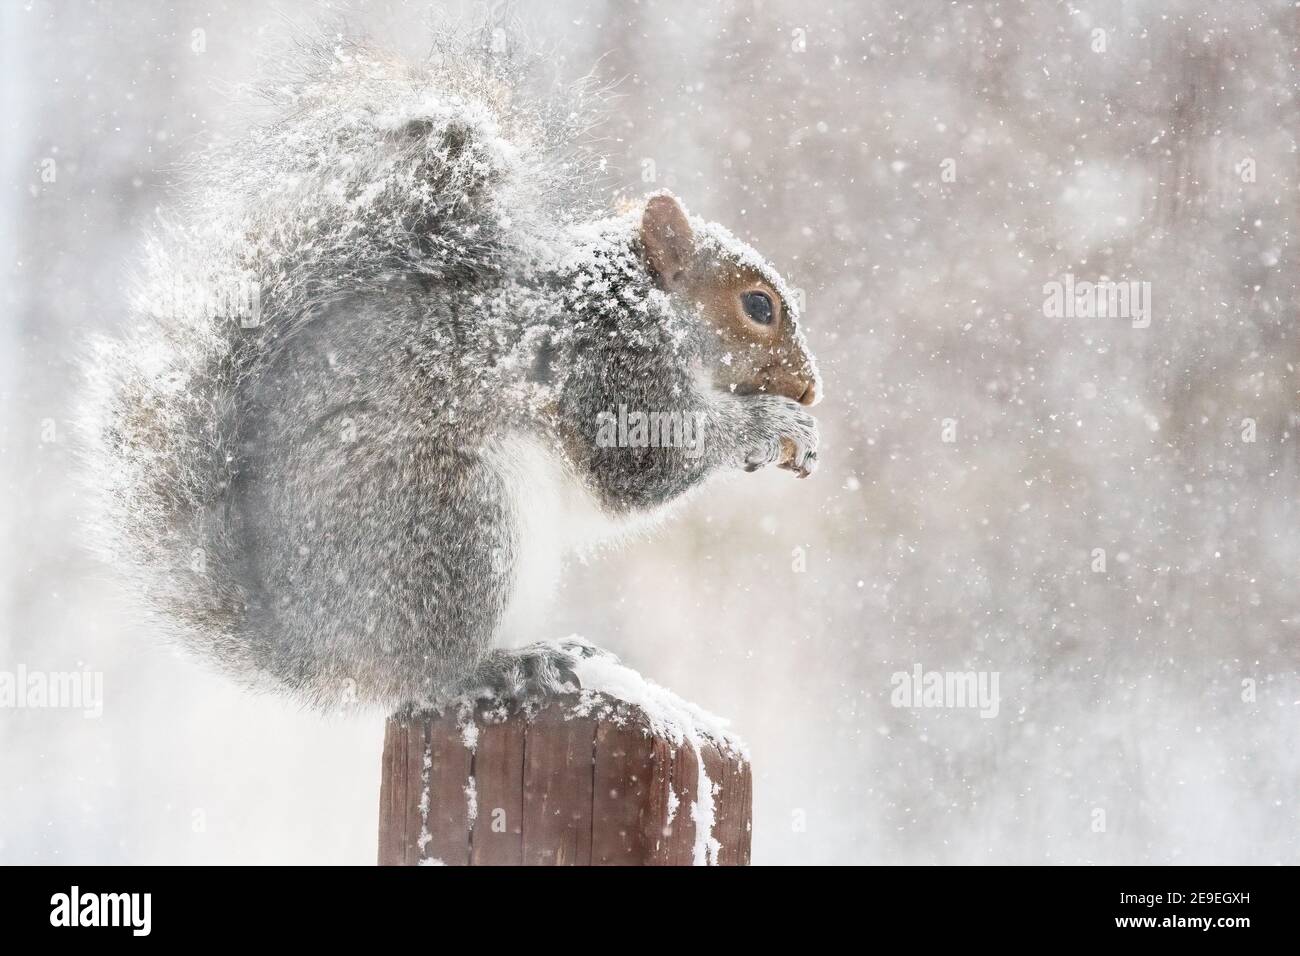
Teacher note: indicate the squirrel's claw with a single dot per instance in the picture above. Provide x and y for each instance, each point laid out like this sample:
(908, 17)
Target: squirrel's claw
(803, 466)
(799, 456)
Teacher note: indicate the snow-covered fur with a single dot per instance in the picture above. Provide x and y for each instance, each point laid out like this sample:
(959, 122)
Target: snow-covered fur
(306, 447)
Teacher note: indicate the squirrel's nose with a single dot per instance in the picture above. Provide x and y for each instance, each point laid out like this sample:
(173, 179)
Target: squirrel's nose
(809, 395)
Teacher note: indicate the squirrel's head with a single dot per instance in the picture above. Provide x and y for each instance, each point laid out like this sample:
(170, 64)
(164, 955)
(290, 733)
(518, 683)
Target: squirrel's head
(737, 295)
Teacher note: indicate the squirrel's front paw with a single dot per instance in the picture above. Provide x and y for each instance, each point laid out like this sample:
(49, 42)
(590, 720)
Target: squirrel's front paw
(786, 436)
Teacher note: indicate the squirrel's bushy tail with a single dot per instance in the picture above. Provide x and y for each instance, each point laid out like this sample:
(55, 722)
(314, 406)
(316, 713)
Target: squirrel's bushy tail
(369, 170)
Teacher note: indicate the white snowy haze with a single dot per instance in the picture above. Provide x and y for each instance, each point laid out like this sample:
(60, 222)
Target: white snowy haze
(1099, 513)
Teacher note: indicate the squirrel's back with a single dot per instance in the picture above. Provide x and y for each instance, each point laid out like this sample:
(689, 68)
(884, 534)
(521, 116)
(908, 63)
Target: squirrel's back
(371, 175)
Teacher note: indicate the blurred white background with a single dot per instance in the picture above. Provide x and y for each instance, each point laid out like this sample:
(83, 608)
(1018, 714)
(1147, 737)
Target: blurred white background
(820, 132)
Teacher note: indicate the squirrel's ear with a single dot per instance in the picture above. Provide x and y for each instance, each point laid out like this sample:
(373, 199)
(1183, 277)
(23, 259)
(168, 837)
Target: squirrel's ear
(667, 242)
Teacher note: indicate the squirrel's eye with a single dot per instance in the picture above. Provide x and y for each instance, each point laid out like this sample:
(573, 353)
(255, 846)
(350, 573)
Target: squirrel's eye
(758, 307)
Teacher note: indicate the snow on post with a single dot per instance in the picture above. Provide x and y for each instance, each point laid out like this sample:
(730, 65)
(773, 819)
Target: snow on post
(623, 772)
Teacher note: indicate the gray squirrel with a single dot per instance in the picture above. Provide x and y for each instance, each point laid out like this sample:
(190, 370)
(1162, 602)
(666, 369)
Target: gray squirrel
(378, 343)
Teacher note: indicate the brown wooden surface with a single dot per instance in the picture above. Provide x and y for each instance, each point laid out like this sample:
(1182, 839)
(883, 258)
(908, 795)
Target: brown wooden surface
(499, 774)
(731, 804)
(621, 778)
(447, 820)
(556, 789)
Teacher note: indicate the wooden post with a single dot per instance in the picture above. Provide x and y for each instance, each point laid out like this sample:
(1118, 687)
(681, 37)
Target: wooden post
(571, 784)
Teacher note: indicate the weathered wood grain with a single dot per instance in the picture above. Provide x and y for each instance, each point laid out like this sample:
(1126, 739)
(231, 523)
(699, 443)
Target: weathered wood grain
(624, 765)
(447, 822)
(498, 838)
(557, 789)
(564, 786)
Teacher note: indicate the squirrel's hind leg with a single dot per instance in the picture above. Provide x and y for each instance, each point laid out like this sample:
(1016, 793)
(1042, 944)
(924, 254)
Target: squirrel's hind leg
(520, 676)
